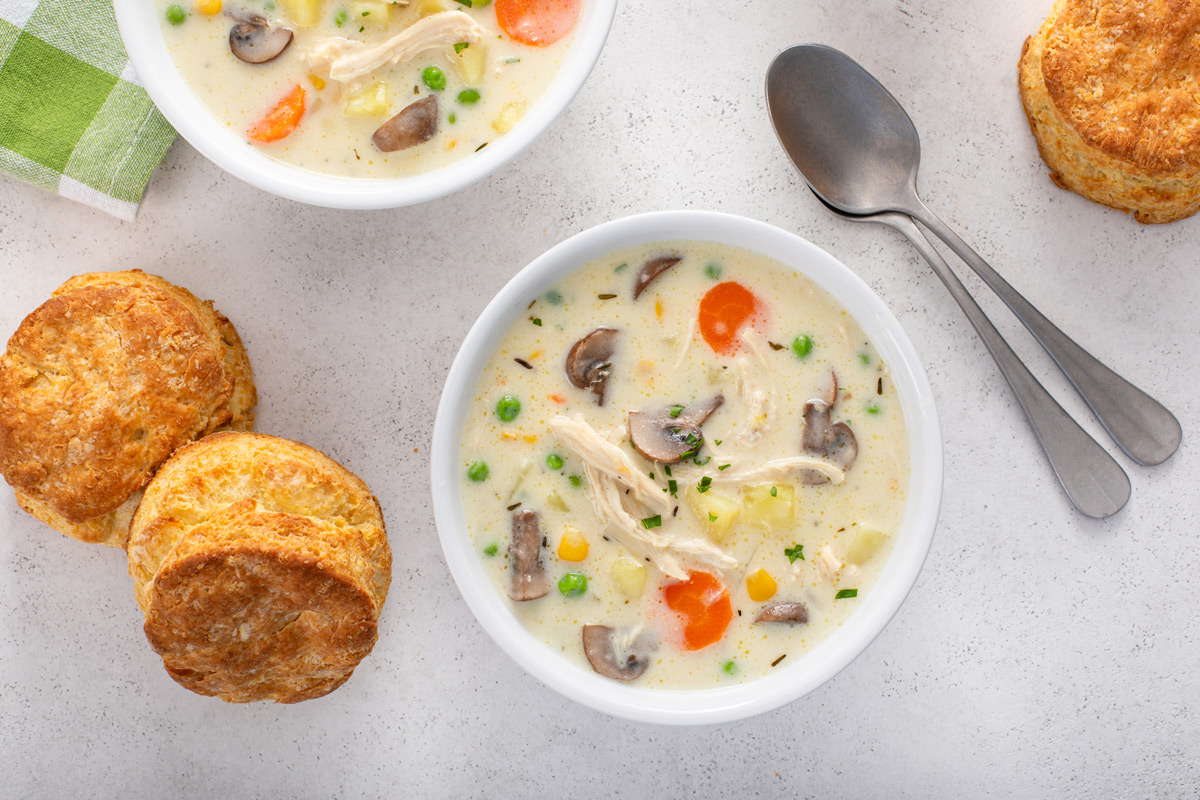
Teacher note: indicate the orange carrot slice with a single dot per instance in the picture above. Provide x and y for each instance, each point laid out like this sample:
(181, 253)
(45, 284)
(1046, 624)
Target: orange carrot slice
(537, 22)
(703, 604)
(724, 310)
(281, 120)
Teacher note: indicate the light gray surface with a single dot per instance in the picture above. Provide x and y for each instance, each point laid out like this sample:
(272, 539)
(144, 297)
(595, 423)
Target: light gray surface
(1040, 654)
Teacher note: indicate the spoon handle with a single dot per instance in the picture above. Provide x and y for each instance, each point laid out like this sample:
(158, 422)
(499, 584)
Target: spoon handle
(1138, 423)
(1093, 480)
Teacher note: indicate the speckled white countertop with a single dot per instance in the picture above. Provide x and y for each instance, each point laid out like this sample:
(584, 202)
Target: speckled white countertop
(1041, 654)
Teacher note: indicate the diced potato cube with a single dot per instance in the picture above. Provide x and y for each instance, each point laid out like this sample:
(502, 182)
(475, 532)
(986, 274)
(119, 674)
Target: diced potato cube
(369, 101)
(554, 500)
(572, 546)
(865, 545)
(760, 585)
(427, 7)
(715, 512)
(629, 576)
(509, 116)
(470, 62)
(304, 13)
(771, 505)
(369, 12)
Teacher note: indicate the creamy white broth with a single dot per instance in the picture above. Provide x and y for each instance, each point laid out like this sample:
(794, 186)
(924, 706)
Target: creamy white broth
(327, 139)
(661, 359)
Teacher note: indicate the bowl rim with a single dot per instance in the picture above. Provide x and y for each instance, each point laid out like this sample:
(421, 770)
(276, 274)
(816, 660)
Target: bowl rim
(827, 658)
(141, 34)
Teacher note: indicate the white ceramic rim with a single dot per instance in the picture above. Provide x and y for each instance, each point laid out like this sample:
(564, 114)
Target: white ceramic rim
(800, 675)
(140, 31)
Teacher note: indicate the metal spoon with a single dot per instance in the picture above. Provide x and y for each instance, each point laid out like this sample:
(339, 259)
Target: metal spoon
(859, 151)
(1094, 482)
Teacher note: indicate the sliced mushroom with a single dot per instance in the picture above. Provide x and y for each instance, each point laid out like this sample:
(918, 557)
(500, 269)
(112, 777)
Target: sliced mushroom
(253, 40)
(794, 613)
(416, 124)
(651, 270)
(667, 439)
(835, 443)
(529, 581)
(830, 394)
(621, 657)
(590, 361)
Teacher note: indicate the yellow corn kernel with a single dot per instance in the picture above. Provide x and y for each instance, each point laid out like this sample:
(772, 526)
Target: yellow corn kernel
(629, 575)
(209, 7)
(530, 438)
(317, 81)
(572, 546)
(509, 437)
(509, 116)
(658, 308)
(535, 355)
(760, 586)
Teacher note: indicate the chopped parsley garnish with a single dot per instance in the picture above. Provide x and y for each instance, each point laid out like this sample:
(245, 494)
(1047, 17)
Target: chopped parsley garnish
(864, 358)
(667, 469)
(676, 410)
(713, 270)
(724, 467)
(536, 321)
(712, 517)
(705, 482)
(339, 19)
(491, 550)
(873, 408)
(794, 552)
(512, 61)
(845, 593)
(673, 486)
(730, 668)
(652, 522)
(620, 267)
(575, 480)
(717, 442)
(774, 491)
(460, 46)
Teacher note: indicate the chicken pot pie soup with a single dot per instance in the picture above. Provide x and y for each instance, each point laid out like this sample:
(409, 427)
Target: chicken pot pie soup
(684, 465)
(368, 88)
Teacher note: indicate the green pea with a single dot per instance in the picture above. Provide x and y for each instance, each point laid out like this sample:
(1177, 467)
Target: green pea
(434, 78)
(491, 550)
(468, 96)
(453, 119)
(572, 584)
(802, 345)
(576, 481)
(554, 461)
(508, 407)
(478, 471)
(176, 15)
(730, 668)
(713, 270)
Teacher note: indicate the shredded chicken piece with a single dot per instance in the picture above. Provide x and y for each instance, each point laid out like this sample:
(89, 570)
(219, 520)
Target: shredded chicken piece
(609, 459)
(687, 345)
(758, 402)
(349, 60)
(828, 563)
(613, 482)
(777, 470)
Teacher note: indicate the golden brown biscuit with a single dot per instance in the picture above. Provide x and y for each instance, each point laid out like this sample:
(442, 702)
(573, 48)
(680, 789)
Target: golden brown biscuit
(261, 565)
(1110, 91)
(101, 384)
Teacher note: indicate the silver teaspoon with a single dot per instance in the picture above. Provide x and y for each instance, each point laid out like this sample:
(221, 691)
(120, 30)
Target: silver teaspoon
(1094, 482)
(859, 151)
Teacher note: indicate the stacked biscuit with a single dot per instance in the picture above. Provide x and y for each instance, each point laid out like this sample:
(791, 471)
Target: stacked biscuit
(1110, 91)
(261, 564)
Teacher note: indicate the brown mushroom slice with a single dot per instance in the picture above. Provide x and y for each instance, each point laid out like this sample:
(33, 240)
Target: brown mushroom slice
(613, 658)
(835, 443)
(590, 360)
(415, 125)
(793, 613)
(529, 581)
(253, 40)
(651, 270)
(665, 439)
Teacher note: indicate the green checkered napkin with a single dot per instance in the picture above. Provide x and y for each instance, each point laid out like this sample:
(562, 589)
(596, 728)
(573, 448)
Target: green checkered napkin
(74, 118)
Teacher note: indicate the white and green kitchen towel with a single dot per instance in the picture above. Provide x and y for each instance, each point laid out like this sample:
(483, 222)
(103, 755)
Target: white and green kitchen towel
(74, 118)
